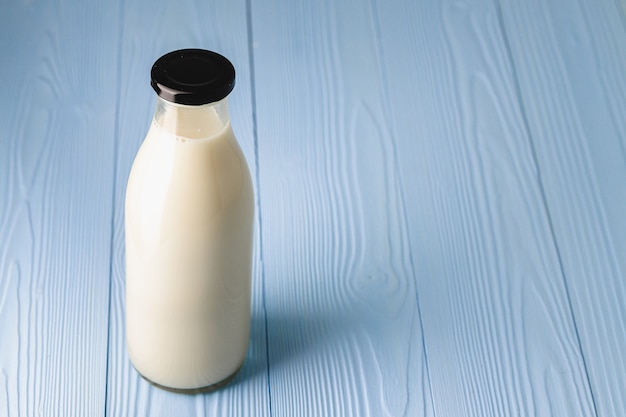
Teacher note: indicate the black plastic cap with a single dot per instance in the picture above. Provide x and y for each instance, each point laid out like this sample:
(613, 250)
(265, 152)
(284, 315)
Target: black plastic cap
(193, 77)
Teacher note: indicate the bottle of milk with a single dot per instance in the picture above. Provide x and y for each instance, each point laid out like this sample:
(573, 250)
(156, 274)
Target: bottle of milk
(189, 226)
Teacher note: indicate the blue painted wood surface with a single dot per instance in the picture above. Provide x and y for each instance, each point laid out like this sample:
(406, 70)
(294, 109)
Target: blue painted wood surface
(440, 197)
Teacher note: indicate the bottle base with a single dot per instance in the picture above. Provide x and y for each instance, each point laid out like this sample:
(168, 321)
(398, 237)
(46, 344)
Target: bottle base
(201, 390)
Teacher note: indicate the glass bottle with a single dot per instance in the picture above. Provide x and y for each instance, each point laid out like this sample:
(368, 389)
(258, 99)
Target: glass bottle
(189, 231)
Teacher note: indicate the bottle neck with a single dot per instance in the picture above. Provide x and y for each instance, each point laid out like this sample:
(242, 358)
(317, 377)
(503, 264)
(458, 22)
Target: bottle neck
(192, 122)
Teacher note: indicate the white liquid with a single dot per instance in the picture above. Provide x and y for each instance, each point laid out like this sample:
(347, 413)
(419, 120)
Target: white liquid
(189, 225)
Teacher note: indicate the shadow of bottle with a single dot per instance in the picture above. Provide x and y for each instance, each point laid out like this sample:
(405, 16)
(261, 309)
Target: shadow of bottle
(279, 339)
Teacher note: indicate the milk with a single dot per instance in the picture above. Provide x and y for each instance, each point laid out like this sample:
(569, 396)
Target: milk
(189, 225)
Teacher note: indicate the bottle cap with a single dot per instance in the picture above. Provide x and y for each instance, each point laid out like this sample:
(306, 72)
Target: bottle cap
(192, 76)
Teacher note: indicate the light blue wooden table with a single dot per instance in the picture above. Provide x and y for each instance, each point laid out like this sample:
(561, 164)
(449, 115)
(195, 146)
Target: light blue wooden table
(441, 204)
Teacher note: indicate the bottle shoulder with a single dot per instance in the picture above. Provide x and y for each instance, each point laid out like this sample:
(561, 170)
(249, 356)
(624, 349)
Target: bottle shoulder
(192, 177)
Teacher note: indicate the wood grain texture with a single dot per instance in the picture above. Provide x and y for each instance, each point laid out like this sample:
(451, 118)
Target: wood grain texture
(344, 330)
(148, 31)
(440, 204)
(56, 181)
(498, 327)
(570, 61)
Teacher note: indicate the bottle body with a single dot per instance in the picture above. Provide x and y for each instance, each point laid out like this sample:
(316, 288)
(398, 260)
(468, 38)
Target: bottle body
(189, 226)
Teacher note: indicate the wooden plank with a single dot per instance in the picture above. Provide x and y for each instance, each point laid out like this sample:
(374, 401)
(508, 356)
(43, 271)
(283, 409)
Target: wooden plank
(498, 327)
(56, 182)
(344, 329)
(148, 32)
(571, 61)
